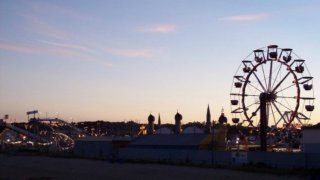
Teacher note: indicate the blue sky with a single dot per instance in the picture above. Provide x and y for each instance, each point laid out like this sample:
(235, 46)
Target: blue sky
(120, 60)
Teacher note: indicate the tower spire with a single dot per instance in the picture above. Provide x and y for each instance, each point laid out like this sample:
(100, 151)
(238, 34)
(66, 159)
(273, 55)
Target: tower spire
(159, 124)
(208, 122)
(159, 121)
(208, 113)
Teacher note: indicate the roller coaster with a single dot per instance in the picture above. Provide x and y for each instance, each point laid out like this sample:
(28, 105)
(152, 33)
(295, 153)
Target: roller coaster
(39, 134)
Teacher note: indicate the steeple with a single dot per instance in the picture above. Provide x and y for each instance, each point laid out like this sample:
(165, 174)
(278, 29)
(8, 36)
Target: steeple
(208, 113)
(159, 121)
(208, 122)
(159, 124)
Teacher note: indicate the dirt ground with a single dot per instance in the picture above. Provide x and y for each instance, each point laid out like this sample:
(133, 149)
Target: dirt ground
(36, 167)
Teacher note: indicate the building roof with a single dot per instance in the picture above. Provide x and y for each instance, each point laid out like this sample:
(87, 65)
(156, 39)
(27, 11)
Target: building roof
(164, 130)
(316, 126)
(169, 140)
(193, 130)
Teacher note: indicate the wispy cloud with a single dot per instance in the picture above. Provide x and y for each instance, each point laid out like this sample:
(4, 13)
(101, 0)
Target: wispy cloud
(251, 17)
(18, 47)
(67, 45)
(161, 28)
(49, 8)
(133, 53)
(36, 25)
(26, 48)
(53, 41)
(61, 52)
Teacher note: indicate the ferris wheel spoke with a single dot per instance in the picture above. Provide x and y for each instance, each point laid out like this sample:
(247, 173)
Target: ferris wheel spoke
(299, 120)
(278, 110)
(264, 75)
(252, 95)
(283, 105)
(254, 113)
(287, 97)
(274, 118)
(278, 85)
(276, 76)
(270, 76)
(276, 124)
(238, 94)
(250, 123)
(285, 115)
(253, 104)
(288, 103)
(285, 88)
(264, 89)
(255, 87)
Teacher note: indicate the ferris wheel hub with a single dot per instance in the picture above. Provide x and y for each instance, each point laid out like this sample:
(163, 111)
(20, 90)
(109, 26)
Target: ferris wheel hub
(268, 97)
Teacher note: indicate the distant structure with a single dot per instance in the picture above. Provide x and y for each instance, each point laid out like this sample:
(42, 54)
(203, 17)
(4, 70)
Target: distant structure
(164, 130)
(178, 128)
(208, 122)
(178, 118)
(159, 124)
(222, 118)
(193, 130)
(34, 112)
(150, 127)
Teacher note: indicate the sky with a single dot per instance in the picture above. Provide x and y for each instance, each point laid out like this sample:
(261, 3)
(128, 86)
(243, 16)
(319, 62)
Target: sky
(120, 60)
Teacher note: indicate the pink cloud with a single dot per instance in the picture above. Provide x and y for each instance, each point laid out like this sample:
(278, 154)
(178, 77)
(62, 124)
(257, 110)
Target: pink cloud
(132, 53)
(162, 28)
(252, 17)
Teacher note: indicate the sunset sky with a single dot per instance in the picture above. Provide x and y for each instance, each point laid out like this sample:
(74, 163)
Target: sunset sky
(119, 60)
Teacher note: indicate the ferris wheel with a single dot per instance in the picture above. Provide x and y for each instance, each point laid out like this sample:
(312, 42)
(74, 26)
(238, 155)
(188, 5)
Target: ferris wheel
(284, 80)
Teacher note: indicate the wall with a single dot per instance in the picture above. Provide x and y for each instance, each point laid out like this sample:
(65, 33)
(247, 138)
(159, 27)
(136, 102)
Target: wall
(93, 149)
(311, 136)
(311, 147)
(272, 159)
(311, 140)
(174, 155)
(281, 160)
(103, 149)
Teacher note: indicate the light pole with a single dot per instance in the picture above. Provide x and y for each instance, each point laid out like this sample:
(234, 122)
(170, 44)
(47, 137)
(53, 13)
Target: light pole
(263, 120)
(212, 145)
